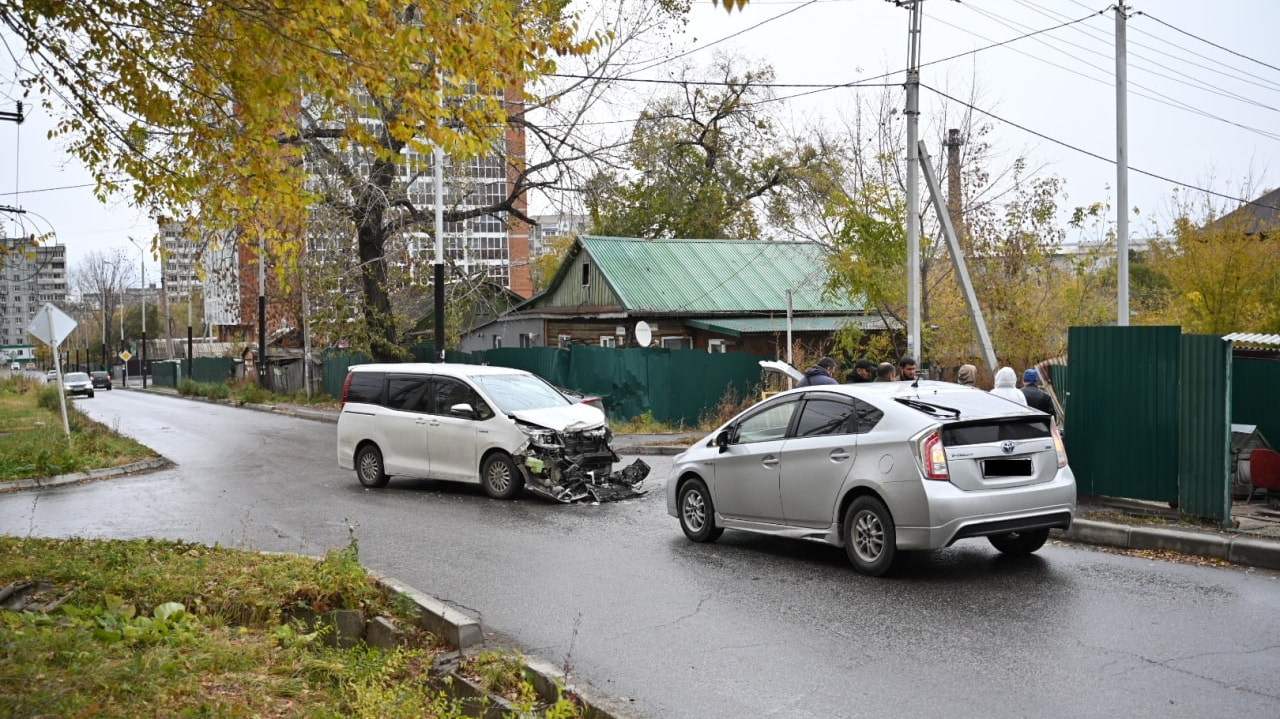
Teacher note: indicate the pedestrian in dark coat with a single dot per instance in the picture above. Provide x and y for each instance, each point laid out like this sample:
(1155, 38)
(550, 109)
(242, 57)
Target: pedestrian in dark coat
(819, 373)
(1036, 397)
(863, 371)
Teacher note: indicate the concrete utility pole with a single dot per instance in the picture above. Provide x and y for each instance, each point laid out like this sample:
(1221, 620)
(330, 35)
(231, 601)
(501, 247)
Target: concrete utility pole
(438, 267)
(913, 181)
(1122, 168)
(142, 363)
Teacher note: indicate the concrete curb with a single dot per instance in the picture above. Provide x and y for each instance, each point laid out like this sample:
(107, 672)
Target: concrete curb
(464, 634)
(77, 477)
(660, 450)
(1238, 549)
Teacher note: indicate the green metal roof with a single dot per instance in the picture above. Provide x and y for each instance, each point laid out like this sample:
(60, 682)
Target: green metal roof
(697, 276)
(738, 326)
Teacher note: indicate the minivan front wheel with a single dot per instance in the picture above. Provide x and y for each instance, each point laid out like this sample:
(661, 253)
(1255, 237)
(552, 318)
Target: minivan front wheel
(870, 539)
(369, 468)
(1019, 542)
(500, 478)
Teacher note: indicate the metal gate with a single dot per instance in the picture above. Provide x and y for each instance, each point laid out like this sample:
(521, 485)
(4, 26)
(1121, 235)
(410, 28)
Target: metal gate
(1122, 409)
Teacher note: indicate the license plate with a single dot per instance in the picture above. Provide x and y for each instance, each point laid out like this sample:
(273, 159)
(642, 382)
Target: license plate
(1006, 467)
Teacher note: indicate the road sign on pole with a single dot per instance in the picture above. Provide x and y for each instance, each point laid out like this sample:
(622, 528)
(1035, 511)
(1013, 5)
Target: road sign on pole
(51, 325)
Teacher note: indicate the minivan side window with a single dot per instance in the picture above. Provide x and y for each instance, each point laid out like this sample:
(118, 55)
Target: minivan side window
(451, 391)
(365, 387)
(408, 392)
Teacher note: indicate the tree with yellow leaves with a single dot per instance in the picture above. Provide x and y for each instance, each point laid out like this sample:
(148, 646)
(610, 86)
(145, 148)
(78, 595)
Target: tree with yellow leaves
(220, 109)
(1222, 267)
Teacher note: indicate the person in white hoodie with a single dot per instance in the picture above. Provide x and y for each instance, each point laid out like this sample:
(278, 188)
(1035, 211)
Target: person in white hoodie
(1006, 386)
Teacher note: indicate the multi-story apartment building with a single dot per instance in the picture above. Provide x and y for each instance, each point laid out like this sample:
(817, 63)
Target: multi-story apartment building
(550, 226)
(30, 275)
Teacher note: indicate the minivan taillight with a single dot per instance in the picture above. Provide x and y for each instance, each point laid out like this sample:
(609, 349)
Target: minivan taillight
(346, 385)
(1058, 445)
(933, 457)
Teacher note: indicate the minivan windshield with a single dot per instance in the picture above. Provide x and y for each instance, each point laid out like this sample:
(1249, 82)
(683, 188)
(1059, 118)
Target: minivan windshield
(76, 377)
(514, 392)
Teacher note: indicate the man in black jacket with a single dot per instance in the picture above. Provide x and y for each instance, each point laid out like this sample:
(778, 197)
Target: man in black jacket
(1036, 397)
(819, 373)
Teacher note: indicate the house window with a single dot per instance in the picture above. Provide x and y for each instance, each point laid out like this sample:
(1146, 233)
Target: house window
(715, 346)
(677, 343)
(608, 341)
(497, 341)
(526, 339)
(565, 340)
(586, 274)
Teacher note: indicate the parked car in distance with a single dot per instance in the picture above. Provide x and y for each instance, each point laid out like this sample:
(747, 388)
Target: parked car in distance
(51, 376)
(879, 468)
(78, 383)
(101, 379)
(502, 428)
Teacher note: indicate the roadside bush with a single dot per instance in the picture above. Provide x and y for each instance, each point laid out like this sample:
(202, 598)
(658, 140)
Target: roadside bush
(47, 397)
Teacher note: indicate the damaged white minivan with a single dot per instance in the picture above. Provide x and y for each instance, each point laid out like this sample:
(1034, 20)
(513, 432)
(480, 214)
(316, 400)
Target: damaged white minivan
(504, 428)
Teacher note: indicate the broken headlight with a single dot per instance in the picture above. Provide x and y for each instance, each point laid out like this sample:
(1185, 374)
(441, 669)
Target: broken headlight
(540, 437)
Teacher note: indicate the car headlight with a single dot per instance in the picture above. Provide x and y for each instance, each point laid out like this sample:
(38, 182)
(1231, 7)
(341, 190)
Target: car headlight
(543, 437)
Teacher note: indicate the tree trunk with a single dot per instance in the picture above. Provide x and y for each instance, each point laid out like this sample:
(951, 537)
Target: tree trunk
(371, 239)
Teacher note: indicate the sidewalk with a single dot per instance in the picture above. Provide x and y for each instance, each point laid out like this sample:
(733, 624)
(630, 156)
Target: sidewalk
(1102, 521)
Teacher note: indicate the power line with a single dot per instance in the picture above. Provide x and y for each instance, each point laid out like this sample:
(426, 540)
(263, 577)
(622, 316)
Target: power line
(1208, 42)
(1095, 155)
(1245, 77)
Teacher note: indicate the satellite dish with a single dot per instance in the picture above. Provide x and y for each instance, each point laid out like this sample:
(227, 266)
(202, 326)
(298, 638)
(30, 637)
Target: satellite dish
(644, 335)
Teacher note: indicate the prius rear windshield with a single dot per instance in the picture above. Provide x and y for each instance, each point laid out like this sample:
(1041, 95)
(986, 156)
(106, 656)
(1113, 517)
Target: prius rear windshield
(514, 392)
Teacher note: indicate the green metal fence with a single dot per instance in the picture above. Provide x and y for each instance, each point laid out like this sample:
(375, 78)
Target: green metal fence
(1255, 395)
(1204, 427)
(674, 386)
(213, 370)
(1122, 411)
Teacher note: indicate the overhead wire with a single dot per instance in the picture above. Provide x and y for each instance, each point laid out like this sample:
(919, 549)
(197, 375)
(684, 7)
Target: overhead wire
(1095, 155)
(1229, 71)
(1189, 80)
(1209, 42)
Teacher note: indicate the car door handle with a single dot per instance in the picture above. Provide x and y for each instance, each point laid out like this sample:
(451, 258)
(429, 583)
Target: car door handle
(839, 455)
(769, 461)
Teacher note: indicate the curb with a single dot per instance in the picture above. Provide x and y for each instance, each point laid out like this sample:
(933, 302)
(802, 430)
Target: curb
(658, 450)
(77, 477)
(464, 634)
(1244, 550)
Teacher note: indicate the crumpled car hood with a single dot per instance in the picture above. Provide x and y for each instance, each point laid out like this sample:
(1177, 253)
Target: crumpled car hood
(568, 418)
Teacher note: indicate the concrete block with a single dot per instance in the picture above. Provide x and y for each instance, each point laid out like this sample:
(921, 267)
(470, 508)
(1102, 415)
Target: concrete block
(1200, 544)
(456, 628)
(382, 632)
(1255, 552)
(347, 627)
(1091, 532)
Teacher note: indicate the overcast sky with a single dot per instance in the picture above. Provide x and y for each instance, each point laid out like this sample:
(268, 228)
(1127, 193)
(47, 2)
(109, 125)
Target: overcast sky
(1203, 104)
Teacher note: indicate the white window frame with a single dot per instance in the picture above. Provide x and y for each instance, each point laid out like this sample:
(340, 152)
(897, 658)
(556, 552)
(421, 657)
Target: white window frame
(679, 340)
(608, 341)
(715, 347)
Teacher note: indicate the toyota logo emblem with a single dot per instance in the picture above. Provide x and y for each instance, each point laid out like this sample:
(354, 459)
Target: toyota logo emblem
(1007, 447)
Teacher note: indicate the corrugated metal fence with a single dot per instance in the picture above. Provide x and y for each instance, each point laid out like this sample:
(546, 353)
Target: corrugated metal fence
(674, 386)
(1149, 416)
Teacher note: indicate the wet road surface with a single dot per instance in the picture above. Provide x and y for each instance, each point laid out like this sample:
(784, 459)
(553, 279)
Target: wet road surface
(749, 626)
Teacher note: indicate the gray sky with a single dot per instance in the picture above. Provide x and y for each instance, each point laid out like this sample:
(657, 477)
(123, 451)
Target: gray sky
(1198, 114)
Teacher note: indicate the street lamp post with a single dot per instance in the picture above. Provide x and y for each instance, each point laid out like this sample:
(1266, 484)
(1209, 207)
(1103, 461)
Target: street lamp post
(142, 363)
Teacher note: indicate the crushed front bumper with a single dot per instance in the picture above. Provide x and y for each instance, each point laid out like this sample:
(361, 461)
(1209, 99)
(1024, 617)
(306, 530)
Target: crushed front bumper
(577, 467)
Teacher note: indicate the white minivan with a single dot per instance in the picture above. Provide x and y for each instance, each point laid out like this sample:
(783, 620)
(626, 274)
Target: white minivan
(504, 428)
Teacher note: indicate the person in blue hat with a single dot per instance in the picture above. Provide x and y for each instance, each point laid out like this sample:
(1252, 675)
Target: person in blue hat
(1036, 397)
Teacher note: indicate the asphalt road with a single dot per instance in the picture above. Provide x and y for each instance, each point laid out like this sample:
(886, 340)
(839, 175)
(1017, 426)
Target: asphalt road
(747, 627)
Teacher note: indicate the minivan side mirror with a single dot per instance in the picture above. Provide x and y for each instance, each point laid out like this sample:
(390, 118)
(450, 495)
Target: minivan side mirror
(463, 410)
(724, 439)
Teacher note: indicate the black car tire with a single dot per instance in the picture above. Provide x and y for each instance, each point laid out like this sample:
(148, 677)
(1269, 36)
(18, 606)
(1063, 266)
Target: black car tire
(90, 395)
(1019, 542)
(500, 478)
(698, 513)
(369, 468)
(870, 538)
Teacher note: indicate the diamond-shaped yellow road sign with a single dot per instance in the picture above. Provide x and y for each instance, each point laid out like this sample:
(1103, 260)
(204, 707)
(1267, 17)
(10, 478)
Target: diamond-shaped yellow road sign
(124, 355)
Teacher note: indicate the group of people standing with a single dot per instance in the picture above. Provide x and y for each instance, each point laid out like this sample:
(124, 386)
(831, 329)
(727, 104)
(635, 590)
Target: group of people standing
(864, 370)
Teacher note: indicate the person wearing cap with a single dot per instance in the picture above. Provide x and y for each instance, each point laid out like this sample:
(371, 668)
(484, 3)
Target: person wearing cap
(907, 369)
(863, 370)
(819, 374)
(1036, 397)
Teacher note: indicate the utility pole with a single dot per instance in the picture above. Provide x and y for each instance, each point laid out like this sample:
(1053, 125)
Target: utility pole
(262, 313)
(1122, 167)
(15, 117)
(913, 180)
(142, 363)
(438, 267)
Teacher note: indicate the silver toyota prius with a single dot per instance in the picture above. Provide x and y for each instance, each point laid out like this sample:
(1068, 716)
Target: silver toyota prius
(878, 468)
